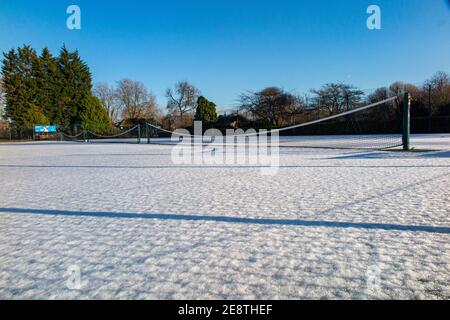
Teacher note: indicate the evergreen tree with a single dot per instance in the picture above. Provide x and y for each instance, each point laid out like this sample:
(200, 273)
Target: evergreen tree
(95, 117)
(42, 90)
(11, 82)
(34, 116)
(76, 87)
(49, 85)
(2, 100)
(206, 111)
(21, 86)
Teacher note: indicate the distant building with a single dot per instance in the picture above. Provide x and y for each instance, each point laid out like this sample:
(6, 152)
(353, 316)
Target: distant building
(233, 121)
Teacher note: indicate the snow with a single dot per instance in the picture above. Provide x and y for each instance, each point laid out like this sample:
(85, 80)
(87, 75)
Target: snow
(336, 224)
(423, 142)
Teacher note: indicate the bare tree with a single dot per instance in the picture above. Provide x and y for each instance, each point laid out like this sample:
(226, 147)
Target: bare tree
(271, 104)
(398, 89)
(296, 107)
(134, 99)
(150, 109)
(440, 80)
(182, 98)
(106, 94)
(379, 94)
(438, 89)
(337, 97)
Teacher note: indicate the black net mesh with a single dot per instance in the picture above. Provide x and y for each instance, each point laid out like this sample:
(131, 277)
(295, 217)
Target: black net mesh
(77, 137)
(376, 126)
(131, 135)
(379, 127)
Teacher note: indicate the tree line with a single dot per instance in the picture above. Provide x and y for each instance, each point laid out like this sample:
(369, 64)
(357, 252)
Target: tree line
(42, 89)
(130, 101)
(46, 89)
(276, 107)
(269, 107)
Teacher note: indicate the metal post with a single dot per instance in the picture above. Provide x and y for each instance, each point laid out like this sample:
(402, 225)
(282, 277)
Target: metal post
(429, 108)
(319, 106)
(147, 132)
(406, 122)
(429, 97)
(139, 133)
(85, 136)
(10, 129)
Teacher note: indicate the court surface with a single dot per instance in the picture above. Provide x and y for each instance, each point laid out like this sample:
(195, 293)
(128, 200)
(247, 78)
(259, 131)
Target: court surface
(334, 224)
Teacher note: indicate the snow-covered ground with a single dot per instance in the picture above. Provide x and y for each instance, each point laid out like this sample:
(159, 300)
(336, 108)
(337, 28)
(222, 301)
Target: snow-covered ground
(330, 224)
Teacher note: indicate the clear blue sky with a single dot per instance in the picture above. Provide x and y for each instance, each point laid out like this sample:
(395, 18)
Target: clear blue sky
(226, 47)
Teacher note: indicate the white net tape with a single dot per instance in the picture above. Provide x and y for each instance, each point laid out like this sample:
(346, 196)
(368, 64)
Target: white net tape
(113, 136)
(343, 114)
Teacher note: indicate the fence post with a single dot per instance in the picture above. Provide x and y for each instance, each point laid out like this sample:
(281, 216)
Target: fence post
(10, 129)
(406, 122)
(139, 133)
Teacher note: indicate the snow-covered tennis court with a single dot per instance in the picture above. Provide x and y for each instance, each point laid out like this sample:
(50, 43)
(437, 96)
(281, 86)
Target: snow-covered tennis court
(330, 224)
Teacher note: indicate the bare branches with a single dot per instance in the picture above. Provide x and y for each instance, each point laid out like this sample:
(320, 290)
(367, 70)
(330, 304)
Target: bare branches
(135, 100)
(182, 98)
(271, 104)
(129, 100)
(106, 95)
(337, 97)
(438, 91)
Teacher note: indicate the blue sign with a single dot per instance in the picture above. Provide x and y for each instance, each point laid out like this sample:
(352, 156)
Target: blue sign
(45, 129)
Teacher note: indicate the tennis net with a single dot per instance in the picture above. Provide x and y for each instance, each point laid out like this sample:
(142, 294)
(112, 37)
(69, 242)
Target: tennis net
(131, 135)
(378, 126)
(375, 126)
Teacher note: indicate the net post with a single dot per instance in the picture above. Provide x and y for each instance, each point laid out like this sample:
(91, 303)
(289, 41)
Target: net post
(147, 132)
(406, 138)
(85, 136)
(139, 133)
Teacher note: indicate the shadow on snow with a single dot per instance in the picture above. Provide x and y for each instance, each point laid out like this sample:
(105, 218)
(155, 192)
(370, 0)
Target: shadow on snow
(224, 219)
